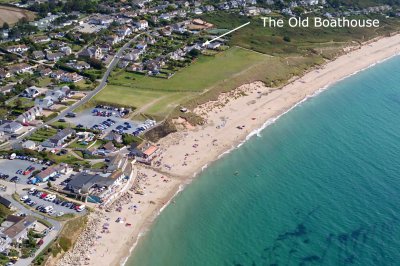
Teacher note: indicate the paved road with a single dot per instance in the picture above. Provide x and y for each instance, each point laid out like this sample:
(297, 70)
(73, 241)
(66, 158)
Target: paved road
(84, 100)
(47, 239)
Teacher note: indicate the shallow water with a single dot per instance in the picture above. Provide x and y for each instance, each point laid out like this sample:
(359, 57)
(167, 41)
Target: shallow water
(318, 187)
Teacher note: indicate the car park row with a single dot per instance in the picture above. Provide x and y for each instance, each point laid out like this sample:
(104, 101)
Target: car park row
(51, 198)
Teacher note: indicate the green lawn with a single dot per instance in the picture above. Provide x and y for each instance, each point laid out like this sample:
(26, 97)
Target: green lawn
(43, 134)
(77, 145)
(68, 158)
(158, 96)
(99, 165)
(21, 102)
(62, 125)
(44, 82)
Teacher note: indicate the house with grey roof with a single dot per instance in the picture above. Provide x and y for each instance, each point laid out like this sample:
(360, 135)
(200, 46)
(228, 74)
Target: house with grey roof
(44, 103)
(15, 229)
(11, 127)
(54, 56)
(59, 94)
(94, 184)
(38, 55)
(58, 139)
(31, 92)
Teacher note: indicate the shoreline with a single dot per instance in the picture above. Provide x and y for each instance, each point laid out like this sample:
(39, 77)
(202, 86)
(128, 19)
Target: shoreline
(256, 110)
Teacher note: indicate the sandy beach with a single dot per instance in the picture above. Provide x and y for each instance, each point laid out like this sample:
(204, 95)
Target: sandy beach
(233, 118)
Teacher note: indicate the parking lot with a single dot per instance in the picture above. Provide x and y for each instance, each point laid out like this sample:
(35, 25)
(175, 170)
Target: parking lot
(88, 119)
(11, 167)
(89, 28)
(50, 203)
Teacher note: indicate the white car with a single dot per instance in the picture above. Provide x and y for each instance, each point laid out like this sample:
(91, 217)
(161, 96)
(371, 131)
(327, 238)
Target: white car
(80, 208)
(48, 209)
(23, 198)
(60, 214)
(52, 198)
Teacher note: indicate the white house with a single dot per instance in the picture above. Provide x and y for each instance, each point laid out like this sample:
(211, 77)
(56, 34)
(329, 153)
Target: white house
(142, 24)
(17, 48)
(123, 31)
(14, 230)
(44, 103)
(30, 115)
(71, 77)
(29, 144)
(214, 45)
(79, 65)
(66, 50)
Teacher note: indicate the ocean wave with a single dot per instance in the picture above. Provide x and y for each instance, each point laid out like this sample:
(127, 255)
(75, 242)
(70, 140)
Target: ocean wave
(256, 132)
(181, 187)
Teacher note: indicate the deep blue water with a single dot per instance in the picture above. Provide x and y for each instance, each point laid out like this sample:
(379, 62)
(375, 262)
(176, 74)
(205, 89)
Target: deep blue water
(321, 186)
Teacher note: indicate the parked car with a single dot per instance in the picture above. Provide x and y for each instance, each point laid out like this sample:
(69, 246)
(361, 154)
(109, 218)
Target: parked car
(23, 198)
(80, 208)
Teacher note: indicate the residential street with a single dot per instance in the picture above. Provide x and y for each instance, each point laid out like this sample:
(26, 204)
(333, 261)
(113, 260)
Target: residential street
(84, 100)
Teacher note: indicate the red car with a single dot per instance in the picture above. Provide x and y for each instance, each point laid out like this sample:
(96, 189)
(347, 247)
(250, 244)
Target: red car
(43, 195)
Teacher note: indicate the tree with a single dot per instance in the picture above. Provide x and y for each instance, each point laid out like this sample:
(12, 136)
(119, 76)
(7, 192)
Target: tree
(95, 63)
(194, 53)
(6, 26)
(286, 38)
(49, 184)
(18, 103)
(298, 10)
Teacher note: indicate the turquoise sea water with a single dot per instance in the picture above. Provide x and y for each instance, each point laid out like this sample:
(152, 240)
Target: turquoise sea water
(321, 186)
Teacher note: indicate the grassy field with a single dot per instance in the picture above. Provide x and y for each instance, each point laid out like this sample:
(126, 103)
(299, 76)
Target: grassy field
(157, 97)
(303, 41)
(271, 55)
(11, 15)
